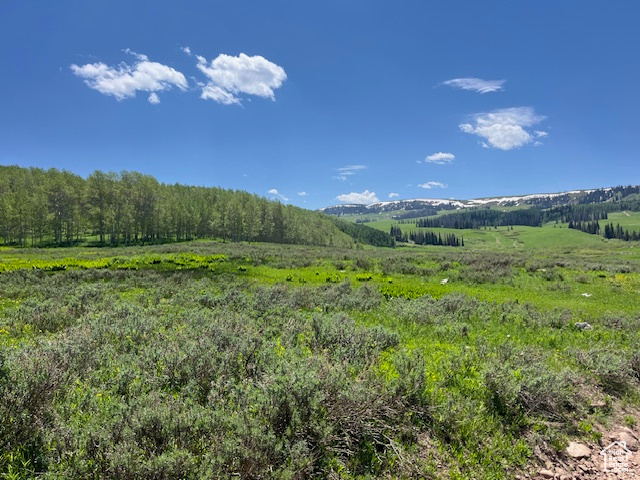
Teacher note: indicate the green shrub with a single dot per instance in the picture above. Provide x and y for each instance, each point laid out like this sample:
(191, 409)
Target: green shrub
(517, 392)
(613, 369)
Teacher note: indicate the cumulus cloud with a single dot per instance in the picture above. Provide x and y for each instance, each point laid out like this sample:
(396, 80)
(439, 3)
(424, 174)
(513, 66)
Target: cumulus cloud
(505, 128)
(303, 194)
(275, 193)
(476, 84)
(440, 158)
(230, 77)
(344, 172)
(365, 197)
(541, 134)
(394, 195)
(123, 81)
(220, 95)
(430, 185)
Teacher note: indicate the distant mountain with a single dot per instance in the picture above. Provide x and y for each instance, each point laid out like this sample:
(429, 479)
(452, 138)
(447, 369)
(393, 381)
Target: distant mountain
(429, 206)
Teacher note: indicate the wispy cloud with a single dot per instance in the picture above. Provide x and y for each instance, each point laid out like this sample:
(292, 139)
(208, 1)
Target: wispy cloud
(303, 194)
(440, 158)
(345, 172)
(123, 81)
(476, 84)
(504, 129)
(394, 195)
(430, 185)
(365, 197)
(230, 77)
(276, 194)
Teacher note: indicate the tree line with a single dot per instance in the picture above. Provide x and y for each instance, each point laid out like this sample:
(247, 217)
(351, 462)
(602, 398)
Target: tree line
(587, 227)
(51, 207)
(475, 219)
(580, 213)
(421, 237)
(365, 234)
(609, 230)
(621, 234)
(576, 215)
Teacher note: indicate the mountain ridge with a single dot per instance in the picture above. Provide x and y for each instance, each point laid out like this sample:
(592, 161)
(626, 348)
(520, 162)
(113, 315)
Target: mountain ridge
(430, 206)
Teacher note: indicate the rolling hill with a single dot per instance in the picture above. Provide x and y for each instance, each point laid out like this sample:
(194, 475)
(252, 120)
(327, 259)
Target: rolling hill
(420, 207)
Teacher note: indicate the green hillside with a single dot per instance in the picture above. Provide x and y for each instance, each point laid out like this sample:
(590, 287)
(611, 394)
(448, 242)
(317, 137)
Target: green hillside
(627, 220)
(53, 208)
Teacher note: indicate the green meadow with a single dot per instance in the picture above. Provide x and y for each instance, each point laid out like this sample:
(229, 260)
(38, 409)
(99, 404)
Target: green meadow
(627, 220)
(223, 360)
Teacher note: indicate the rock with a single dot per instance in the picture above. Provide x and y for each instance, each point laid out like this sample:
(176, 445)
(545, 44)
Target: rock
(632, 443)
(582, 326)
(546, 473)
(578, 450)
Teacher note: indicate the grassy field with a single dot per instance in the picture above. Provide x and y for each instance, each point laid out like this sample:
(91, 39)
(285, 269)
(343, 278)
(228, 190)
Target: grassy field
(627, 220)
(551, 235)
(222, 360)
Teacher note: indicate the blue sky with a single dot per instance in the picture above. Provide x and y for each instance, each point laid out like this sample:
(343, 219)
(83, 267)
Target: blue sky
(318, 103)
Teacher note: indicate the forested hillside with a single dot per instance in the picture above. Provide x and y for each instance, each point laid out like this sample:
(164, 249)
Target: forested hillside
(614, 199)
(583, 217)
(365, 234)
(51, 207)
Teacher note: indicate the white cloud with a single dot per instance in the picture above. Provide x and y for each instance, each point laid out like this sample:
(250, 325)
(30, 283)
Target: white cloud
(123, 81)
(229, 77)
(220, 95)
(186, 50)
(276, 193)
(476, 84)
(505, 128)
(344, 172)
(440, 158)
(365, 197)
(394, 195)
(303, 194)
(351, 169)
(541, 134)
(430, 185)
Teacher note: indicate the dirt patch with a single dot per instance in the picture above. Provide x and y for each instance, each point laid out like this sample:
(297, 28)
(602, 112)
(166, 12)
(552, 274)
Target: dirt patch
(583, 460)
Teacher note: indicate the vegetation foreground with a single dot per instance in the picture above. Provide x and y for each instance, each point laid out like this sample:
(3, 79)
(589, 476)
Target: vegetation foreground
(215, 360)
